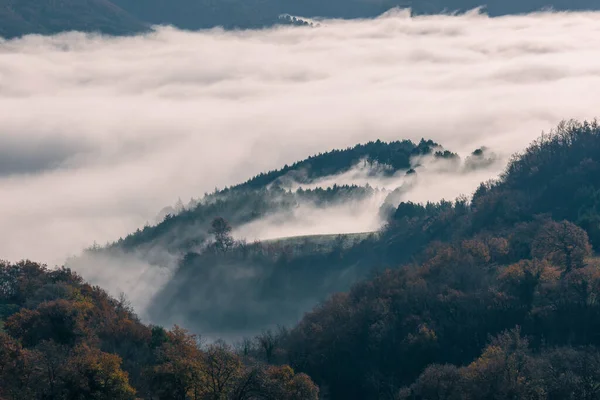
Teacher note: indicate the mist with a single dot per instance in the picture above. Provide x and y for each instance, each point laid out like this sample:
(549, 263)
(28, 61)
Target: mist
(100, 133)
(434, 180)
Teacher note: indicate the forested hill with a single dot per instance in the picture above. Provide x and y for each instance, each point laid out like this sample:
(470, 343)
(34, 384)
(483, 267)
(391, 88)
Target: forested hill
(394, 156)
(118, 17)
(498, 302)
(63, 339)
(186, 227)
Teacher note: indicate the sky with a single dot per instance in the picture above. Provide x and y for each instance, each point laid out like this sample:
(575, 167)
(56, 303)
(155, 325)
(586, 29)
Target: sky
(98, 134)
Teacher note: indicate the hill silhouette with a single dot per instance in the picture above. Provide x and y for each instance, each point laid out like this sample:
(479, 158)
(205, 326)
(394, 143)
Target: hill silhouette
(120, 17)
(20, 17)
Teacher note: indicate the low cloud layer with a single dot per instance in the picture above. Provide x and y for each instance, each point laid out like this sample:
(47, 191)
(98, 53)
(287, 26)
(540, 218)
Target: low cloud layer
(435, 180)
(97, 134)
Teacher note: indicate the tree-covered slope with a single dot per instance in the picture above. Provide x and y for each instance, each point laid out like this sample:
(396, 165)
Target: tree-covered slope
(498, 302)
(64, 339)
(186, 228)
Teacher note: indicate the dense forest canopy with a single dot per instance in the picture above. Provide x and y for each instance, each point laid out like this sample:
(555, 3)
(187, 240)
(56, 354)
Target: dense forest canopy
(61, 338)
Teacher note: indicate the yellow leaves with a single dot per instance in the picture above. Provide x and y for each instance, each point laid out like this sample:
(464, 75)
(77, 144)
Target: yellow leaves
(98, 375)
(185, 368)
(283, 373)
(513, 273)
(469, 253)
(476, 249)
(542, 271)
(282, 383)
(427, 333)
(423, 335)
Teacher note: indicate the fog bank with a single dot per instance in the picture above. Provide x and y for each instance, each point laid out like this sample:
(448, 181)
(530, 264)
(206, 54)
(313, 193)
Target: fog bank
(97, 134)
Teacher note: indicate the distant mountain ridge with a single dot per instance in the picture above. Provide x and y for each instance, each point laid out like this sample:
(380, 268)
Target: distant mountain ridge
(122, 17)
(21, 17)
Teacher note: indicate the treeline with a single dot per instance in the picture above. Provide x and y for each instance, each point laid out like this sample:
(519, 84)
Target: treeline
(497, 298)
(509, 368)
(375, 339)
(395, 155)
(557, 177)
(489, 297)
(187, 230)
(61, 338)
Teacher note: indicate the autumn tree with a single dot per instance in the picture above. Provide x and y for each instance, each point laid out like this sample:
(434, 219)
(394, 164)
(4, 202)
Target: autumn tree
(93, 374)
(439, 382)
(16, 369)
(61, 320)
(221, 370)
(178, 373)
(505, 369)
(562, 243)
(274, 383)
(523, 278)
(281, 382)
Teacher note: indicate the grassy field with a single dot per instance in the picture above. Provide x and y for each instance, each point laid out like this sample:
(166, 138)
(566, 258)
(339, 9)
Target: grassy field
(321, 242)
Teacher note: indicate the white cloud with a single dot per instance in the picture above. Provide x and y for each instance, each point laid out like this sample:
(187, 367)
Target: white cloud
(97, 134)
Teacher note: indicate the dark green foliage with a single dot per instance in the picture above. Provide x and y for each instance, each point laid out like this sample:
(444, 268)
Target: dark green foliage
(395, 155)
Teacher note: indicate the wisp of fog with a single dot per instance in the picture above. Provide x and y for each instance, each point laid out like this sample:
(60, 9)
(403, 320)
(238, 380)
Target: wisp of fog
(99, 133)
